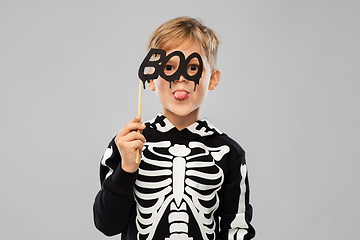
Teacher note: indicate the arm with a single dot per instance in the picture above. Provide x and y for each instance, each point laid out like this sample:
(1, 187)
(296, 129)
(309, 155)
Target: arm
(237, 211)
(114, 205)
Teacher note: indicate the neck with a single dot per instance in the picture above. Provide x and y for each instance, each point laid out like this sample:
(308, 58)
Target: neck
(181, 122)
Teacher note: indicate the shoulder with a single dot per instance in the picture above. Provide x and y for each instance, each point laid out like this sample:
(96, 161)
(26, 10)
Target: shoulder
(223, 138)
(236, 153)
(234, 145)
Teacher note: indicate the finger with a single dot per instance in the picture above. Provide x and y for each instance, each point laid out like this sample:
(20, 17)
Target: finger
(132, 136)
(136, 119)
(134, 145)
(129, 127)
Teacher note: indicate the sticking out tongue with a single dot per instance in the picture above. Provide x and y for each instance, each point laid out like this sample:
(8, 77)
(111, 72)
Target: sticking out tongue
(179, 95)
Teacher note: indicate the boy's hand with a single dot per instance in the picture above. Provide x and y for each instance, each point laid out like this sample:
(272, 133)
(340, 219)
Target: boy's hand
(128, 141)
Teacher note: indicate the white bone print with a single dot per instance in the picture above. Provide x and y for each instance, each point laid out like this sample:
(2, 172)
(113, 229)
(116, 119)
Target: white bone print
(183, 180)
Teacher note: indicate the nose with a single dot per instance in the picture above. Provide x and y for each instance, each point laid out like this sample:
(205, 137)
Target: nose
(181, 79)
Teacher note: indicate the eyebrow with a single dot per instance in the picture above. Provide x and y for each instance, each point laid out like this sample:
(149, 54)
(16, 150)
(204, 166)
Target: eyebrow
(172, 60)
(194, 60)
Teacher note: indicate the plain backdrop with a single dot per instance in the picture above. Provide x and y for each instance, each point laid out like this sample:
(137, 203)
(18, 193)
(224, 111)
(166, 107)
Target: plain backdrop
(289, 94)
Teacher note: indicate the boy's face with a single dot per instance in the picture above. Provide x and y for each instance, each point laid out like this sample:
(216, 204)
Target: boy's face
(181, 100)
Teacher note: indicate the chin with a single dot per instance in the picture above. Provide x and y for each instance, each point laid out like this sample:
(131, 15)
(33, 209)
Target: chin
(183, 112)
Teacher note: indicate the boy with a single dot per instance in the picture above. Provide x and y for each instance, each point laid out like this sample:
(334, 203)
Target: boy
(191, 182)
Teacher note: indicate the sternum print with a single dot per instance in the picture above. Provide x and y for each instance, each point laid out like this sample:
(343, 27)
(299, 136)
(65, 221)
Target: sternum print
(175, 181)
(178, 218)
(178, 179)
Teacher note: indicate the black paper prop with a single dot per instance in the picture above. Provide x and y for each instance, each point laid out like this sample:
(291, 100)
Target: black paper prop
(157, 60)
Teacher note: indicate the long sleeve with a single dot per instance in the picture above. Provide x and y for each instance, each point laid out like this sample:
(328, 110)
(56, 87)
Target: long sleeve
(237, 211)
(114, 205)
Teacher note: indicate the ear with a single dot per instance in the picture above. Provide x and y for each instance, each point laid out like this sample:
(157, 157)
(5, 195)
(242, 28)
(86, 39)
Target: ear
(214, 80)
(151, 85)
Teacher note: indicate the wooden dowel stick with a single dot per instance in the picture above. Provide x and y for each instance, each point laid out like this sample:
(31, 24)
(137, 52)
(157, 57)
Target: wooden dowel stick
(139, 114)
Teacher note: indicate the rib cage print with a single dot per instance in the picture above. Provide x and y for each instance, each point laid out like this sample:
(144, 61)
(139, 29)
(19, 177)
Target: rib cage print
(178, 184)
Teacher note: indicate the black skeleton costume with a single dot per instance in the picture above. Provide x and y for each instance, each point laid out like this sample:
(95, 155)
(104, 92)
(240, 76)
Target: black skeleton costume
(191, 184)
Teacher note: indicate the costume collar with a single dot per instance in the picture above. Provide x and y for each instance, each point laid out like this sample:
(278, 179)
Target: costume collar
(201, 127)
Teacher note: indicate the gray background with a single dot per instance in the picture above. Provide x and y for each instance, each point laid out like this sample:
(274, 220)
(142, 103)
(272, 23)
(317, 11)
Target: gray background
(288, 95)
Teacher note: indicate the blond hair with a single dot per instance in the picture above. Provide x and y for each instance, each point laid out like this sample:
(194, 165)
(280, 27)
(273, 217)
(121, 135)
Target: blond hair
(179, 30)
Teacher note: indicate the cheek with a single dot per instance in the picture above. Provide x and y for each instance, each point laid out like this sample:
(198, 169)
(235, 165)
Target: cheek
(204, 83)
(158, 84)
(200, 92)
(162, 88)
(202, 88)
